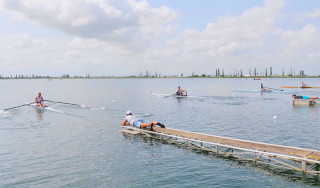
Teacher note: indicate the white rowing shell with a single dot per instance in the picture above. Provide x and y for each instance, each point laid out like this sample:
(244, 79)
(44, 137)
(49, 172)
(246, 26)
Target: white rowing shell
(47, 108)
(179, 96)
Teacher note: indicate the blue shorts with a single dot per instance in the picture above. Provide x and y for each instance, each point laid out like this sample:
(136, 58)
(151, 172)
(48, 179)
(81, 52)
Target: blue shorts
(138, 122)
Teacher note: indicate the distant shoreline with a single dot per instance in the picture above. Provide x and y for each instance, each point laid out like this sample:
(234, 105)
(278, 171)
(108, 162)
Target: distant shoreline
(151, 77)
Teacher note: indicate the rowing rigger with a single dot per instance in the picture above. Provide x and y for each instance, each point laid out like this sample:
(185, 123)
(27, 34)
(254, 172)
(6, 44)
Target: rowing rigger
(275, 155)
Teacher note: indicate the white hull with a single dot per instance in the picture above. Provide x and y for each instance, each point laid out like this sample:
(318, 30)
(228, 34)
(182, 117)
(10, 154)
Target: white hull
(47, 108)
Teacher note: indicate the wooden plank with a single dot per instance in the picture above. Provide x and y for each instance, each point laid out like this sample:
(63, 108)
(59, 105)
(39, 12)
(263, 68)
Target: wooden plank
(130, 131)
(306, 102)
(313, 154)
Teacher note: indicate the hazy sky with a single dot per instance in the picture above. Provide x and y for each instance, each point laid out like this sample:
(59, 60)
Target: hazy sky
(124, 37)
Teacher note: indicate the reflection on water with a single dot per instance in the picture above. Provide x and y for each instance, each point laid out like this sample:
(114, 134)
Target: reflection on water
(39, 114)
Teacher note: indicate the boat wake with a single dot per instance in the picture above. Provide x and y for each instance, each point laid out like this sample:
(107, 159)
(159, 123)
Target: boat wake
(4, 113)
(144, 115)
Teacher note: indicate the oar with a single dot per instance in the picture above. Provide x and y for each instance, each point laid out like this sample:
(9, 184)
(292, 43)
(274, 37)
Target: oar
(84, 106)
(18, 106)
(168, 96)
(273, 88)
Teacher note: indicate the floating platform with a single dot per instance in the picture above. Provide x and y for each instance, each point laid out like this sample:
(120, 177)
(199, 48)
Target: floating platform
(293, 158)
(306, 102)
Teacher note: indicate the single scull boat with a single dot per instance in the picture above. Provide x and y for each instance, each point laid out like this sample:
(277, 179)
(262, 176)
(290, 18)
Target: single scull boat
(178, 96)
(298, 87)
(262, 91)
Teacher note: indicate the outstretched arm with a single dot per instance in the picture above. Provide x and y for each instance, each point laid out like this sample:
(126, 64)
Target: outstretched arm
(124, 123)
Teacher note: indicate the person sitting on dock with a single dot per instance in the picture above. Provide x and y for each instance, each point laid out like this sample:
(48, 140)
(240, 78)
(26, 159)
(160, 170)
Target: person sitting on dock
(140, 123)
(39, 100)
(180, 91)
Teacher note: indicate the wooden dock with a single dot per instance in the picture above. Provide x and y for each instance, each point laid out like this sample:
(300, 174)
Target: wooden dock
(294, 158)
(306, 102)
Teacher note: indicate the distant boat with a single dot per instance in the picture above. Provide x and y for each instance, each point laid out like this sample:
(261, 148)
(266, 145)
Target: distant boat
(298, 87)
(256, 78)
(263, 91)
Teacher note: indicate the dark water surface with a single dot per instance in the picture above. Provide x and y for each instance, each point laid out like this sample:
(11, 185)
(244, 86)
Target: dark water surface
(83, 147)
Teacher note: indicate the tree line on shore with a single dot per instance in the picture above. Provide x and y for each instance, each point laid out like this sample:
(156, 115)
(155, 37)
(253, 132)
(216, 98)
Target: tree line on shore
(219, 73)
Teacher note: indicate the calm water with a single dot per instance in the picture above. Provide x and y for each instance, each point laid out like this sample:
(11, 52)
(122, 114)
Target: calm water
(83, 147)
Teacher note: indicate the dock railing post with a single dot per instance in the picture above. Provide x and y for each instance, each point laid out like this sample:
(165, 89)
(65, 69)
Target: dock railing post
(316, 168)
(217, 149)
(304, 166)
(255, 158)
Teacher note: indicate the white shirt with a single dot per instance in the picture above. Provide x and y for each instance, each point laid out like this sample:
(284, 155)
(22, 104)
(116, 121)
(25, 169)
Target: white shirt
(130, 119)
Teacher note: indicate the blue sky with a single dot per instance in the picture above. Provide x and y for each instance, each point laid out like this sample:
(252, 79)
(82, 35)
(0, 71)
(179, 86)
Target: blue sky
(124, 37)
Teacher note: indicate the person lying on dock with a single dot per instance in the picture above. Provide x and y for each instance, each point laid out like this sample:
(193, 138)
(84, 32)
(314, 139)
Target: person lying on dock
(294, 96)
(39, 100)
(140, 123)
(180, 91)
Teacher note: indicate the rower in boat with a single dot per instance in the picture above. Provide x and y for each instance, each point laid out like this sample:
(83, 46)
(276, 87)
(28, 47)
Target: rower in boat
(39, 100)
(262, 88)
(140, 123)
(181, 91)
(303, 84)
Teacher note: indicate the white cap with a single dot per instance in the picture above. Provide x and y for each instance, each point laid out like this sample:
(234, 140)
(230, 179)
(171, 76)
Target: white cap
(129, 112)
